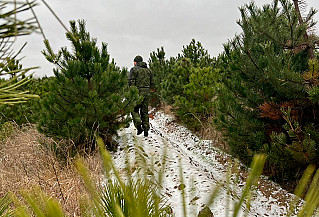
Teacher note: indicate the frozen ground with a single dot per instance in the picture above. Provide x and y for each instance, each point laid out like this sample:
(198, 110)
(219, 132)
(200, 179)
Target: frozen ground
(203, 168)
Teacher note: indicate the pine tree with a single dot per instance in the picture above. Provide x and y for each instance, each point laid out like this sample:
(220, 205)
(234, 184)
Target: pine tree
(174, 82)
(197, 54)
(195, 106)
(161, 68)
(29, 111)
(264, 104)
(89, 95)
(187, 82)
(175, 72)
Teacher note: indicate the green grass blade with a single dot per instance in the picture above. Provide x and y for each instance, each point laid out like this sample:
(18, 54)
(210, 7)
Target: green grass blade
(256, 170)
(301, 188)
(5, 202)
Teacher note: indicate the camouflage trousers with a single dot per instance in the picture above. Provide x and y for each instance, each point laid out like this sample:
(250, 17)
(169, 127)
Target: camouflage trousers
(140, 114)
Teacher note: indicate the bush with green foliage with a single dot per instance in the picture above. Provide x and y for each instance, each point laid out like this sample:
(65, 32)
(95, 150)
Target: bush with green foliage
(29, 111)
(161, 68)
(12, 26)
(265, 103)
(188, 83)
(89, 95)
(195, 106)
(192, 55)
(170, 75)
(173, 84)
(197, 54)
(13, 80)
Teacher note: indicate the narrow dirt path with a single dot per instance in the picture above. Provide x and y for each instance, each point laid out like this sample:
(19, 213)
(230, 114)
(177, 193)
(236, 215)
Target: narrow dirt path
(203, 167)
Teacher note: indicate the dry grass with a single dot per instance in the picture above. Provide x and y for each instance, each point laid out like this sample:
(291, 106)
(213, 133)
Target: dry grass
(167, 110)
(209, 132)
(24, 164)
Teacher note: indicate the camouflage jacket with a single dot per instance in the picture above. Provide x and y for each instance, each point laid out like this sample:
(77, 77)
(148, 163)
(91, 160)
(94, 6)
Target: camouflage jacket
(141, 76)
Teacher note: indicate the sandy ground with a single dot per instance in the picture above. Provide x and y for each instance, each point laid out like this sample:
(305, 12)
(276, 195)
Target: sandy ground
(203, 168)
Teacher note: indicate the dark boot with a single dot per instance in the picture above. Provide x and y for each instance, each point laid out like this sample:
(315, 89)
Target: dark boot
(146, 133)
(139, 130)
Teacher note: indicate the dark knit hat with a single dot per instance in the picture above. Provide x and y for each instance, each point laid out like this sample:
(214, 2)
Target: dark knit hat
(138, 59)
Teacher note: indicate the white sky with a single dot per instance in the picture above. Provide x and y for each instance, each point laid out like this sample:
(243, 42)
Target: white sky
(139, 27)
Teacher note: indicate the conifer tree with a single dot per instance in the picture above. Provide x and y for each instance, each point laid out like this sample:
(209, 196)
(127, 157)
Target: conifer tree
(29, 111)
(177, 70)
(197, 54)
(195, 106)
(264, 104)
(161, 68)
(89, 95)
(173, 84)
(187, 82)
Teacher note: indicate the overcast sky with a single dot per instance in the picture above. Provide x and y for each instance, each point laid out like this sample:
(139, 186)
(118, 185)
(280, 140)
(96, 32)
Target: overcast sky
(139, 26)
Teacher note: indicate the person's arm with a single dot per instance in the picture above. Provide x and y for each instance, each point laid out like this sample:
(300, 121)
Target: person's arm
(131, 77)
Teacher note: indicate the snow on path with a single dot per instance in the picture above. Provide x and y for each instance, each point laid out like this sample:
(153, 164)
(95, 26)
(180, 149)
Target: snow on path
(203, 166)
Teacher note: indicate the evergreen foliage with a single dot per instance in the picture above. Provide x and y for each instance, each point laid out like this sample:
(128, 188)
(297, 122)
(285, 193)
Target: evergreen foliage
(195, 106)
(187, 82)
(192, 55)
(29, 111)
(89, 94)
(11, 27)
(265, 101)
(197, 54)
(170, 75)
(175, 81)
(161, 68)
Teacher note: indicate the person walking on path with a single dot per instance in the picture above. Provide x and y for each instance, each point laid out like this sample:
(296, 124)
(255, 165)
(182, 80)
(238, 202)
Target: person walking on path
(141, 77)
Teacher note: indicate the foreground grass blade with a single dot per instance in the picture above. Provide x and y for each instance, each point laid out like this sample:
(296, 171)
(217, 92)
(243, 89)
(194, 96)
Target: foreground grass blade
(4, 205)
(257, 166)
(311, 198)
(301, 188)
(83, 171)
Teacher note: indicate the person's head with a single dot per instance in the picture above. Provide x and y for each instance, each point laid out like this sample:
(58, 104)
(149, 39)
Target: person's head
(138, 59)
